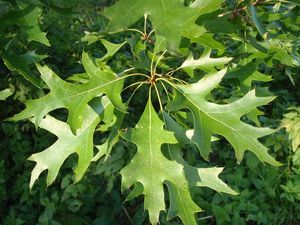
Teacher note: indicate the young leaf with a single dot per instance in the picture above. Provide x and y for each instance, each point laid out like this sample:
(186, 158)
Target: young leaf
(111, 48)
(205, 62)
(211, 118)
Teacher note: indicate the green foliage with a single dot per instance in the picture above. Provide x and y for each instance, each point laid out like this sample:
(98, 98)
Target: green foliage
(212, 119)
(73, 96)
(26, 18)
(150, 168)
(171, 19)
(291, 123)
(5, 94)
(189, 76)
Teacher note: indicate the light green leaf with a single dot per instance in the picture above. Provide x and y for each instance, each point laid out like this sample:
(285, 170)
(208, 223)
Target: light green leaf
(79, 78)
(91, 38)
(152, 169)
(31, 23)
(254, 114)
(183, 135)
(149, 165)
(53, 157)
(282, 52)
(5, 94)
(180, 203)
(205, 62)
(211, 118)
(111, 48)
(73, 96)
(170, 18)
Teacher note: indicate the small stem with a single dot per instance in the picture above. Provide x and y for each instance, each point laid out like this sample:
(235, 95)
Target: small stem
(170, 83)
(162, 112)
(145, 24)
(125, 71)
(149, 97)
(205, 218)
(170, 73)
(151, 32)
(179, 80)
(158, 60)
(158, 96)
(136, 30)
(135, 91)
(152, 60)
(127, 214)
(139, 74)
(165, 89)
(133, 84)
(174, 78)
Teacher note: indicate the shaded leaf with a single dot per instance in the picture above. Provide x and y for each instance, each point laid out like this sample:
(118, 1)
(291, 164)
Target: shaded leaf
(21, 63)
(246, 75)
(27, 16)
(257, 22)
(170, 18)
(208, 41)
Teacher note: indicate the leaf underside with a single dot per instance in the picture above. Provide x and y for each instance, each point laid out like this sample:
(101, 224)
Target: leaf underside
(81, 143)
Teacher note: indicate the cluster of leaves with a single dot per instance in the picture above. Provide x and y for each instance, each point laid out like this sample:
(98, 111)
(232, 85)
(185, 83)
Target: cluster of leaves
(197, 90)
(291, 123)
(21, 19)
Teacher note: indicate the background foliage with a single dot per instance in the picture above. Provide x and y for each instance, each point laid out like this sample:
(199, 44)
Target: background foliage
(263, 35)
